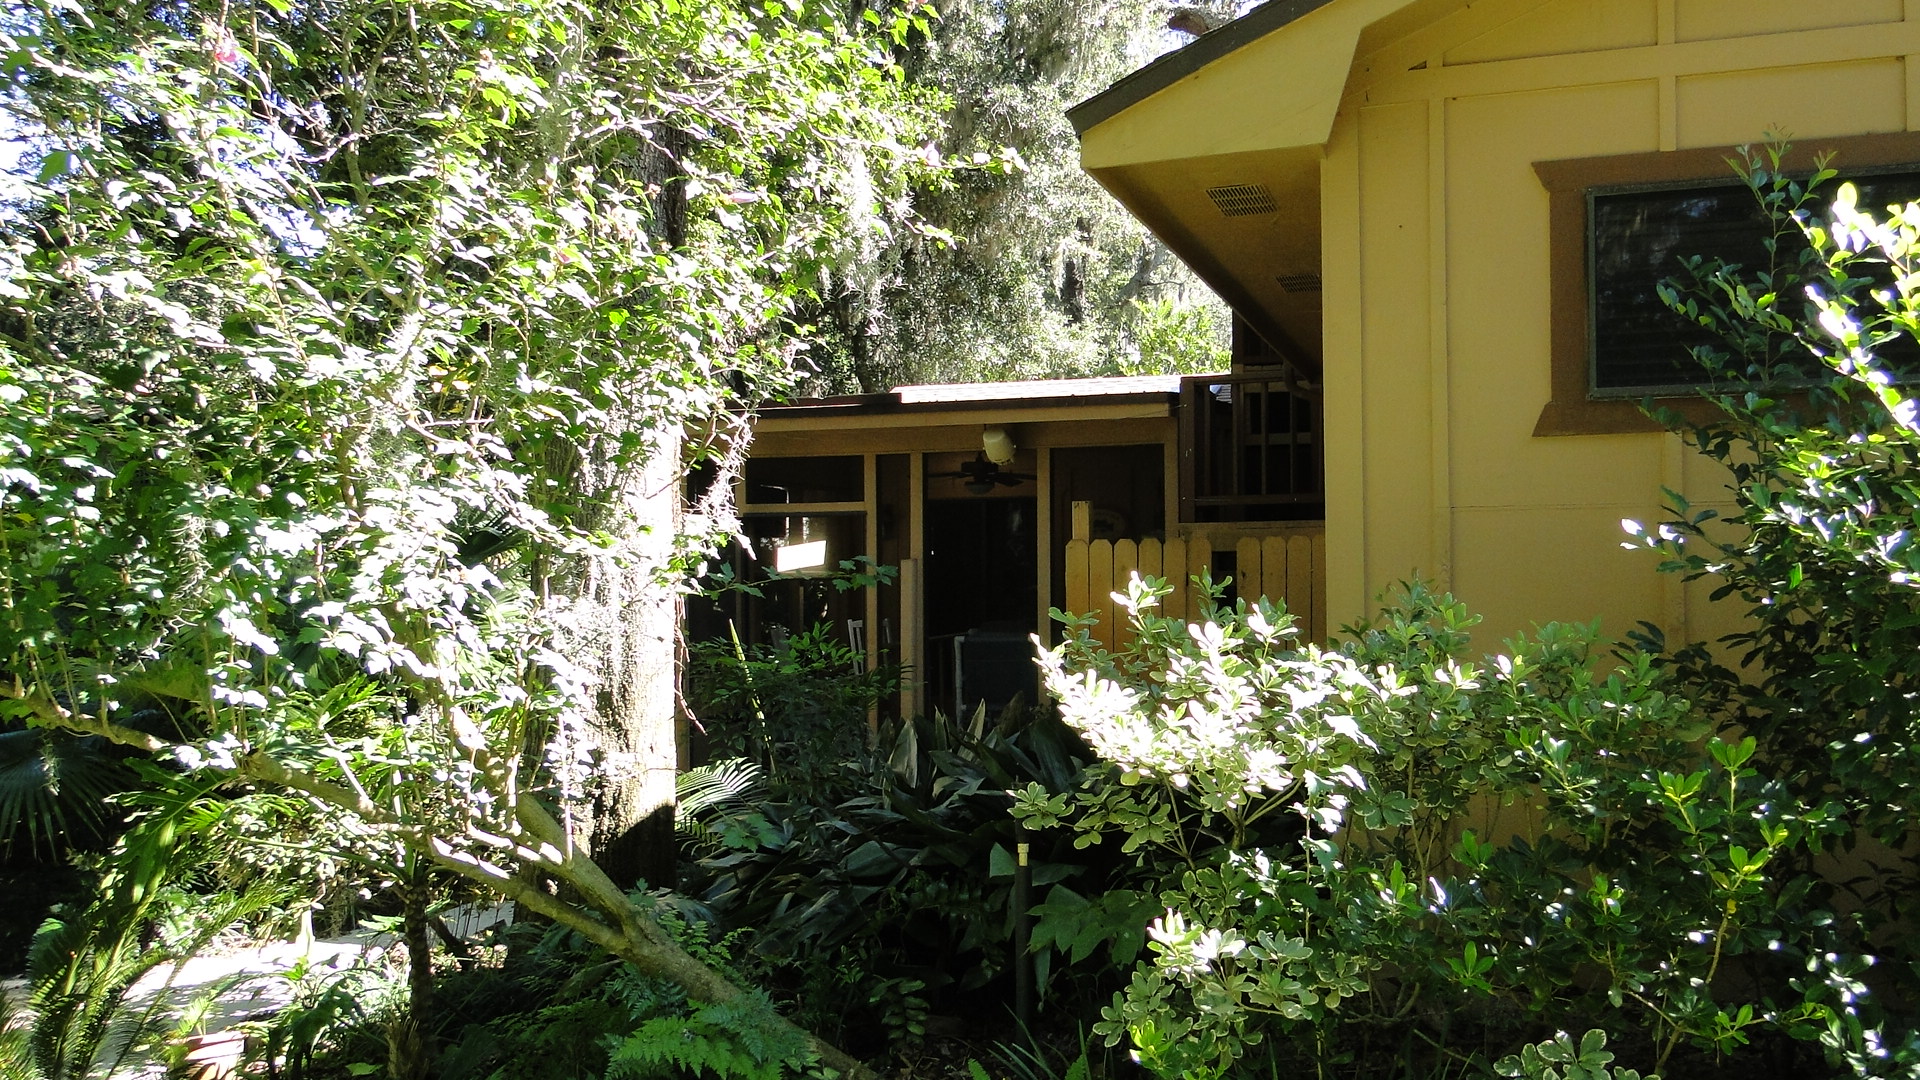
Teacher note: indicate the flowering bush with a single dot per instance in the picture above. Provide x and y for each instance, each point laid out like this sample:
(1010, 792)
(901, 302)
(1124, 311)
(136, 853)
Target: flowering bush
(1312, 819)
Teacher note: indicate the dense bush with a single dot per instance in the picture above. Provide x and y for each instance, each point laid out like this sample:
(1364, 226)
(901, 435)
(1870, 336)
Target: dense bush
(1301, 811)
(1818, 549)
(798, 709)
(894, 901)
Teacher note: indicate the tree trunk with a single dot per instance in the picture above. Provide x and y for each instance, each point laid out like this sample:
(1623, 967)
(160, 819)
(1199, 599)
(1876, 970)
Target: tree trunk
(631, 605)
(625, 618)
(408, 1053)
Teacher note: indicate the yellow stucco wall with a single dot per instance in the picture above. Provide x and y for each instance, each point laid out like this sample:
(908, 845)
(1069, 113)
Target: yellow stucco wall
(1436, 279)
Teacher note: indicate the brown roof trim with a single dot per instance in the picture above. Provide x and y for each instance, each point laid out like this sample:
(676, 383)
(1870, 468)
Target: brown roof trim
(1182, 62)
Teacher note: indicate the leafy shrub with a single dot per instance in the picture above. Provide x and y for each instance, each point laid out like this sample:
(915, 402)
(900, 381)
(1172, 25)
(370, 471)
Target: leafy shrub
(1558, 1059)
(558, 1010)
(797, 709)
(1297, 808)
(1818, 548)
(872, 912)
(86, 958)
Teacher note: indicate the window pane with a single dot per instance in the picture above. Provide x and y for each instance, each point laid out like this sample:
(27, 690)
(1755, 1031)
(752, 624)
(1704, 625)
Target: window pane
(1637, 239)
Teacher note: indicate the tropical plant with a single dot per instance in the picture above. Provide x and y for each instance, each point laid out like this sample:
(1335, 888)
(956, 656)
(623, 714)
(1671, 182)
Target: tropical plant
(83, 1019)
(797, 709)
(54, 788)
(558, 1009)
(895, 901)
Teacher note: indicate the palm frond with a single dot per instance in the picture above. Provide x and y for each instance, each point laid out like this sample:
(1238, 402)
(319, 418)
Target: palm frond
(54, 786)
(707, 787)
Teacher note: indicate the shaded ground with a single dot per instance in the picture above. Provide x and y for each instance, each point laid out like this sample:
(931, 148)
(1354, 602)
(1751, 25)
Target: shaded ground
(237, 985)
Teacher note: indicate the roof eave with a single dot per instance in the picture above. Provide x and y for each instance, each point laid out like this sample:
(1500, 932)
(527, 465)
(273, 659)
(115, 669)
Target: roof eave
(1174, 66)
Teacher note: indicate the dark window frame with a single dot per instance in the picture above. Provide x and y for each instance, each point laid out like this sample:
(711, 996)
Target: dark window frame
(1574, 408)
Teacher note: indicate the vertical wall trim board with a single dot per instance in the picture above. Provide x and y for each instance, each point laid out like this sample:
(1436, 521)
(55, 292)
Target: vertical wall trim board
(1440, 374)
(1345, 426)
(1910, 12)
(912, 609)
(870, 484)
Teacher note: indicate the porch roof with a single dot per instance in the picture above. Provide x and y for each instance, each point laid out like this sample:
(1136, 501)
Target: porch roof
(1157, 390)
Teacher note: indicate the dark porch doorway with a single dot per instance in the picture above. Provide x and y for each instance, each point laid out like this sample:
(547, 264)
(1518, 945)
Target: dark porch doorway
(981, 593)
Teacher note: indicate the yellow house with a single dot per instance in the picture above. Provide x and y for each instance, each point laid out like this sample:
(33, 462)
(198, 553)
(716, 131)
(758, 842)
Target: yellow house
(1439, 223)
(1425, 206)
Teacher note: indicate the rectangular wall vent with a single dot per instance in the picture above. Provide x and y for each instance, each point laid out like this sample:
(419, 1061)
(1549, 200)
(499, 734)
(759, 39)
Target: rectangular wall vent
(1295, 283)
(1243, 200)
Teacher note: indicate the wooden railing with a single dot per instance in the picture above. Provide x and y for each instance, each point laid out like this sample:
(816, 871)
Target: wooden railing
(1285, 562)
(1250, 448)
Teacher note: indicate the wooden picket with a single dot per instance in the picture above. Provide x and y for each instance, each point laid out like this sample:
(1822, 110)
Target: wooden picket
(1173, 562)
(1284, 562)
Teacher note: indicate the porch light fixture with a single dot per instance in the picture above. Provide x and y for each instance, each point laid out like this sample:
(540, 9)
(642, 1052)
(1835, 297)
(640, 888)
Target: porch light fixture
(998, 445)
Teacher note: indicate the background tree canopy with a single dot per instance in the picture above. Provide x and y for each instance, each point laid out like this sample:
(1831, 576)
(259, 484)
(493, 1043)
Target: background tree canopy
(1041, 274)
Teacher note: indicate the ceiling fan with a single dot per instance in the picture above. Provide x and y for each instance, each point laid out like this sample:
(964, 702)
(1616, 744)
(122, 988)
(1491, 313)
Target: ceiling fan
(982, 475)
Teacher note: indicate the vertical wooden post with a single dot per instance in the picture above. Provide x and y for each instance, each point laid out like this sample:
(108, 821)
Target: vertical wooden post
(1043, 531)
(1173, 563)
(1320, 615)
(1022, 936)
(913, 638)
(870, 514)
(870, 610)
(1100, 589)
(1126, 563)
(1275, 568)
(1300, 598)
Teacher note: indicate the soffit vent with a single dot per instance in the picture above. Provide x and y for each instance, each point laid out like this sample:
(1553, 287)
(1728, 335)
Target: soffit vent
(1243, 200)
(1299, 283)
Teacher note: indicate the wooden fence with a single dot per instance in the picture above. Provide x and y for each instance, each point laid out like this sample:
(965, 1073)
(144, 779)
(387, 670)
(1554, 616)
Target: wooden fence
(1279, 562)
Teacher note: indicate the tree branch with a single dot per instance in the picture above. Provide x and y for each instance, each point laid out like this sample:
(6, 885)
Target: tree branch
(636, 937)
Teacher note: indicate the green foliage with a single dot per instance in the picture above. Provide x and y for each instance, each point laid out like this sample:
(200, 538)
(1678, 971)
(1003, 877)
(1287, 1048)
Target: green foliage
(340, 346)
(1559, 1059)
(84, 963)
(557, 1011)
(796, 709)
(728, 1041)
(1296, 813)
(1815, 426)
(1173, 337)
(1032, 270)
(869, 911)
(54, 788)
(299, 1032)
